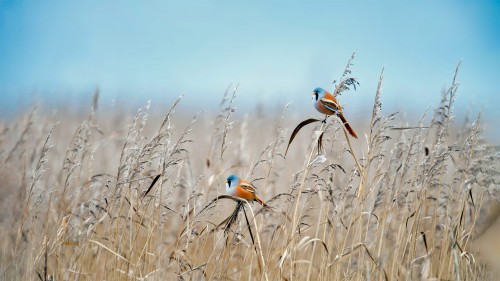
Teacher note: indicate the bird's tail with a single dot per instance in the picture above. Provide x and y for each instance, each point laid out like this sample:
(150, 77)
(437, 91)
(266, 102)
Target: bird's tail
(262, 203)
(347, 126)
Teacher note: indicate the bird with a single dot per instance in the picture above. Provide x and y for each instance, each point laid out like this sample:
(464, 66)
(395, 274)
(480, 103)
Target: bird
(326, 103)
(243, 189)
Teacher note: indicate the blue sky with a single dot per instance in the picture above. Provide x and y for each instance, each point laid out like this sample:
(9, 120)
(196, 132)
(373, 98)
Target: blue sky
(277, 50)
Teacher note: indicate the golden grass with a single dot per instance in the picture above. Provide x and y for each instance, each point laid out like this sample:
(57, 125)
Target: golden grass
(397, 204)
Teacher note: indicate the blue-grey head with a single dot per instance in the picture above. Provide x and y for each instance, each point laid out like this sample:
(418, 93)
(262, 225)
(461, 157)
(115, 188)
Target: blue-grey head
(231, 183)
(317, 94)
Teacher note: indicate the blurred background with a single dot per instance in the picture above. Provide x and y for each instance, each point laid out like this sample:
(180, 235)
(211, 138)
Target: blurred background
(59, 52)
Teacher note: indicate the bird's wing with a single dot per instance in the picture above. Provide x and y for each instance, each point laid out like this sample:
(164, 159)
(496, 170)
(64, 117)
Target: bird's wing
(330, 104)
(247, 186)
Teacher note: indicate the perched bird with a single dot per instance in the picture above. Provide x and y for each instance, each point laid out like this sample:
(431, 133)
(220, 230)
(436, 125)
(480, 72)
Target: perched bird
(243, 189)
(326, 103)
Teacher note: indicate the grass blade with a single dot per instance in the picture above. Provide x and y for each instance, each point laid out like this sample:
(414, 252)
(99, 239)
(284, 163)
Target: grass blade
(297, 129)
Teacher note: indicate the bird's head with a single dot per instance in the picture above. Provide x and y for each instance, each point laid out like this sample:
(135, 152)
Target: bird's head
(231, 181)
(318, 93)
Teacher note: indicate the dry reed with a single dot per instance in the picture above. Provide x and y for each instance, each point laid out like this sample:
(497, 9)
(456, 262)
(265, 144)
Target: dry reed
(119, 198)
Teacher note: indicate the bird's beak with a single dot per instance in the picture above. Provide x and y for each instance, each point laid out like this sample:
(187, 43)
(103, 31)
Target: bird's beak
(225, 182)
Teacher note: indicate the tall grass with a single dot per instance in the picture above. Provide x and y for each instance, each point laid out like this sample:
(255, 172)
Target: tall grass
(407, 201)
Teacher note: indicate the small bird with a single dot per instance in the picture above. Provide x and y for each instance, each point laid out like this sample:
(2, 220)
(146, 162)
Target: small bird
(243, 189)
(326, 103)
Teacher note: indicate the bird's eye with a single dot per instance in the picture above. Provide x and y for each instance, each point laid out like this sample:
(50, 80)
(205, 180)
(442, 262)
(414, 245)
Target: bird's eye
(229, 183)
(316, 95)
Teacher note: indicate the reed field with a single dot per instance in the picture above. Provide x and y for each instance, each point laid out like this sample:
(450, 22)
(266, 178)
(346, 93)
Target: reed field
(116, 196)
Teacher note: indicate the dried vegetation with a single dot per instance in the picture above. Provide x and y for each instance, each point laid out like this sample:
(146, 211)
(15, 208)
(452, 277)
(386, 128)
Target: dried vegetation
(113, 197)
